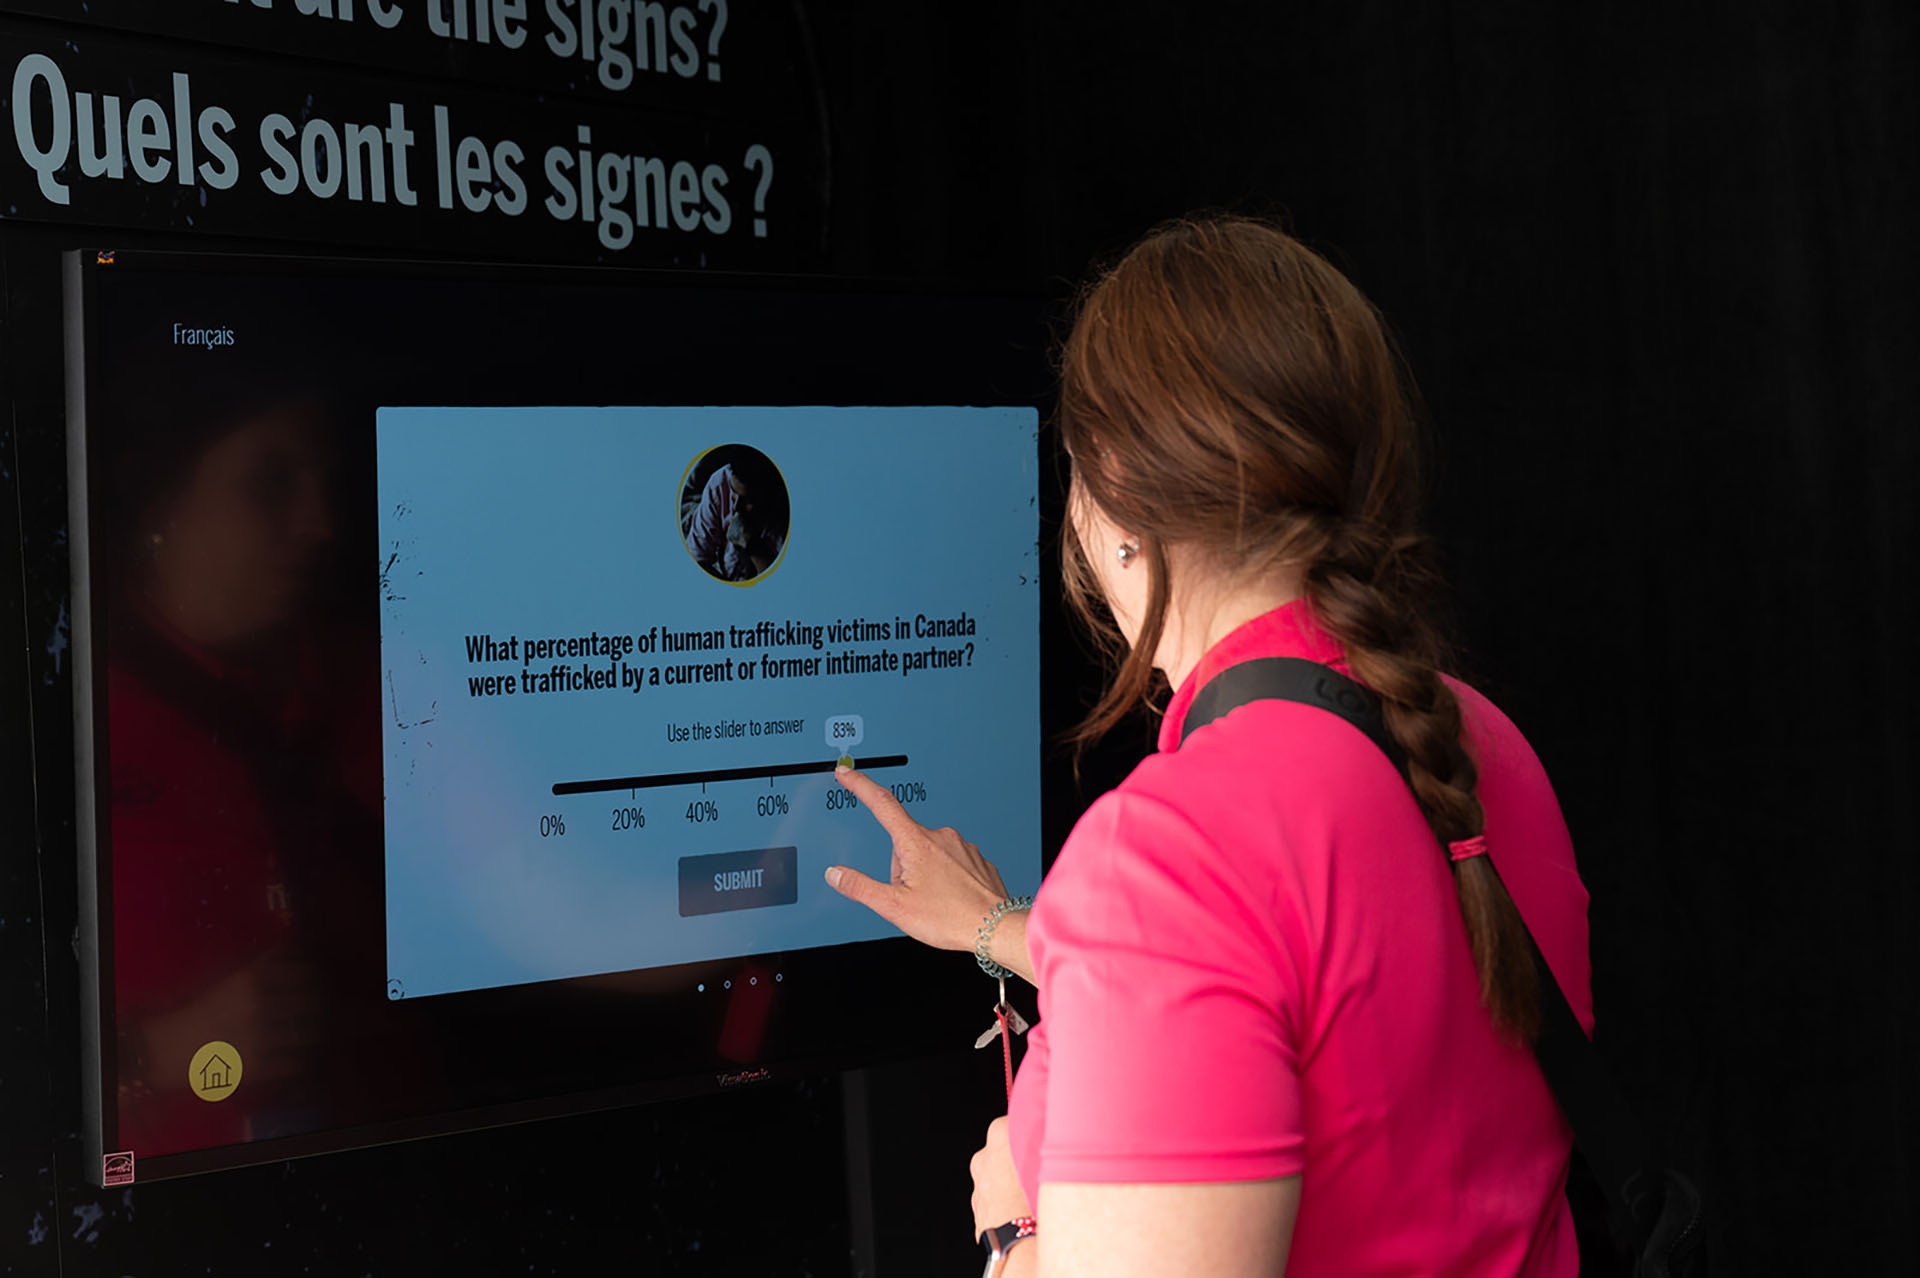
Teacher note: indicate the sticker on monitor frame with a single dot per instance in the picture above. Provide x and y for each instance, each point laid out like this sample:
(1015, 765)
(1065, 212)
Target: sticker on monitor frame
(116, 1169)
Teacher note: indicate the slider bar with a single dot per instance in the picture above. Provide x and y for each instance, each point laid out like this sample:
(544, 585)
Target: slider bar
(723, 774)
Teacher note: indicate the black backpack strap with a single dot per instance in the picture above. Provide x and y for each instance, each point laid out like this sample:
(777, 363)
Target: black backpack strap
(1292, 679)
(1605, 1129)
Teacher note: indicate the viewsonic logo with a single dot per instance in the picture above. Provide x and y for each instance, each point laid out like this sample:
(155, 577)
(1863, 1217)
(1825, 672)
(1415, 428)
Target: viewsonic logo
(760, 1075)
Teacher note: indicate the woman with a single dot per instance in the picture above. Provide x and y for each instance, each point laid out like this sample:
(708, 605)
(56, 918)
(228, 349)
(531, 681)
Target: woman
(1286, 1006)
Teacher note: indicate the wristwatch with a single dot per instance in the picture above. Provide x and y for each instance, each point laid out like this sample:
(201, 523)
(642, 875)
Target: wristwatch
(1001, 1239)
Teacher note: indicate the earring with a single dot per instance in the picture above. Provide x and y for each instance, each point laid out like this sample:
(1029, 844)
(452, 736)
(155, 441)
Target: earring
(1127, 551)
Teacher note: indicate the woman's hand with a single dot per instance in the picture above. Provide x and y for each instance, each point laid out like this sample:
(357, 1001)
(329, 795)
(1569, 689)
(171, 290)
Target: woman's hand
(997, 1195)
(940, 887)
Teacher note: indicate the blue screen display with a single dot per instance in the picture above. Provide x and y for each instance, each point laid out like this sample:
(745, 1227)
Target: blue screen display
(623, 648)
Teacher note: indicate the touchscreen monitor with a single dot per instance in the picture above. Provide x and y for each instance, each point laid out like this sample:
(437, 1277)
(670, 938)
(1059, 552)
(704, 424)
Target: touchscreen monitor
(464, 656)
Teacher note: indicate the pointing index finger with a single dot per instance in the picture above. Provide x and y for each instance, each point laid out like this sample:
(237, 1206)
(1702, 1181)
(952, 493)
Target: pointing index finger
(879, 800)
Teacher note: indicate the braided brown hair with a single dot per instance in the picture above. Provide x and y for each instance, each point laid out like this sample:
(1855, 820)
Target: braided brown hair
(1224, 389)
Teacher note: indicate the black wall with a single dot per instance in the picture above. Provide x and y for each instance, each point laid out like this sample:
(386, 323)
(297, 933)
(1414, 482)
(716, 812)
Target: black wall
(1654, 269)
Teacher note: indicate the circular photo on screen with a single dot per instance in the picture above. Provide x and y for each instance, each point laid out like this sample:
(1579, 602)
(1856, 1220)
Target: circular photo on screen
(734, 513)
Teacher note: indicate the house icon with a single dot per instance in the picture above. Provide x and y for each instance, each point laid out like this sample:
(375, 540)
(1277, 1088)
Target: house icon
(215, 1074)
(215, 1070)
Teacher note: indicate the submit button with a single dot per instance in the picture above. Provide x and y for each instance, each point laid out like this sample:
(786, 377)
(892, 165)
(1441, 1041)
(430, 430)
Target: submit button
(738, 881)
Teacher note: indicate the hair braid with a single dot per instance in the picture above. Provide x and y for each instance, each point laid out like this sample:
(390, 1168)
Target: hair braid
(1224, 389)
(1363, 592)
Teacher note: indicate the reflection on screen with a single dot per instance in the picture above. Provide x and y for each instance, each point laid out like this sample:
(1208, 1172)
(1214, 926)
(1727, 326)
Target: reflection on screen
(244, 816)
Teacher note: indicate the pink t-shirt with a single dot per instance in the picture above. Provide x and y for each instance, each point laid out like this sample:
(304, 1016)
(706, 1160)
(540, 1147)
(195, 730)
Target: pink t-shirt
(1252, 965)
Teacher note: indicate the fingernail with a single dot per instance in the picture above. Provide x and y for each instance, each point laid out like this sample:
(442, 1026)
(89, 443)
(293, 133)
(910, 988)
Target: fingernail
(833, 876)
(841, 769)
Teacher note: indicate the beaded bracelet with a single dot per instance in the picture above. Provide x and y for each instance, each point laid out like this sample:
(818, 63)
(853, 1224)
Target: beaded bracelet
(983, 946)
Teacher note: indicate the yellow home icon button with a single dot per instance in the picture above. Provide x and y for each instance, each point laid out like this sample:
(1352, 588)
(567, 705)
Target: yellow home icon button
(214, 1073)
